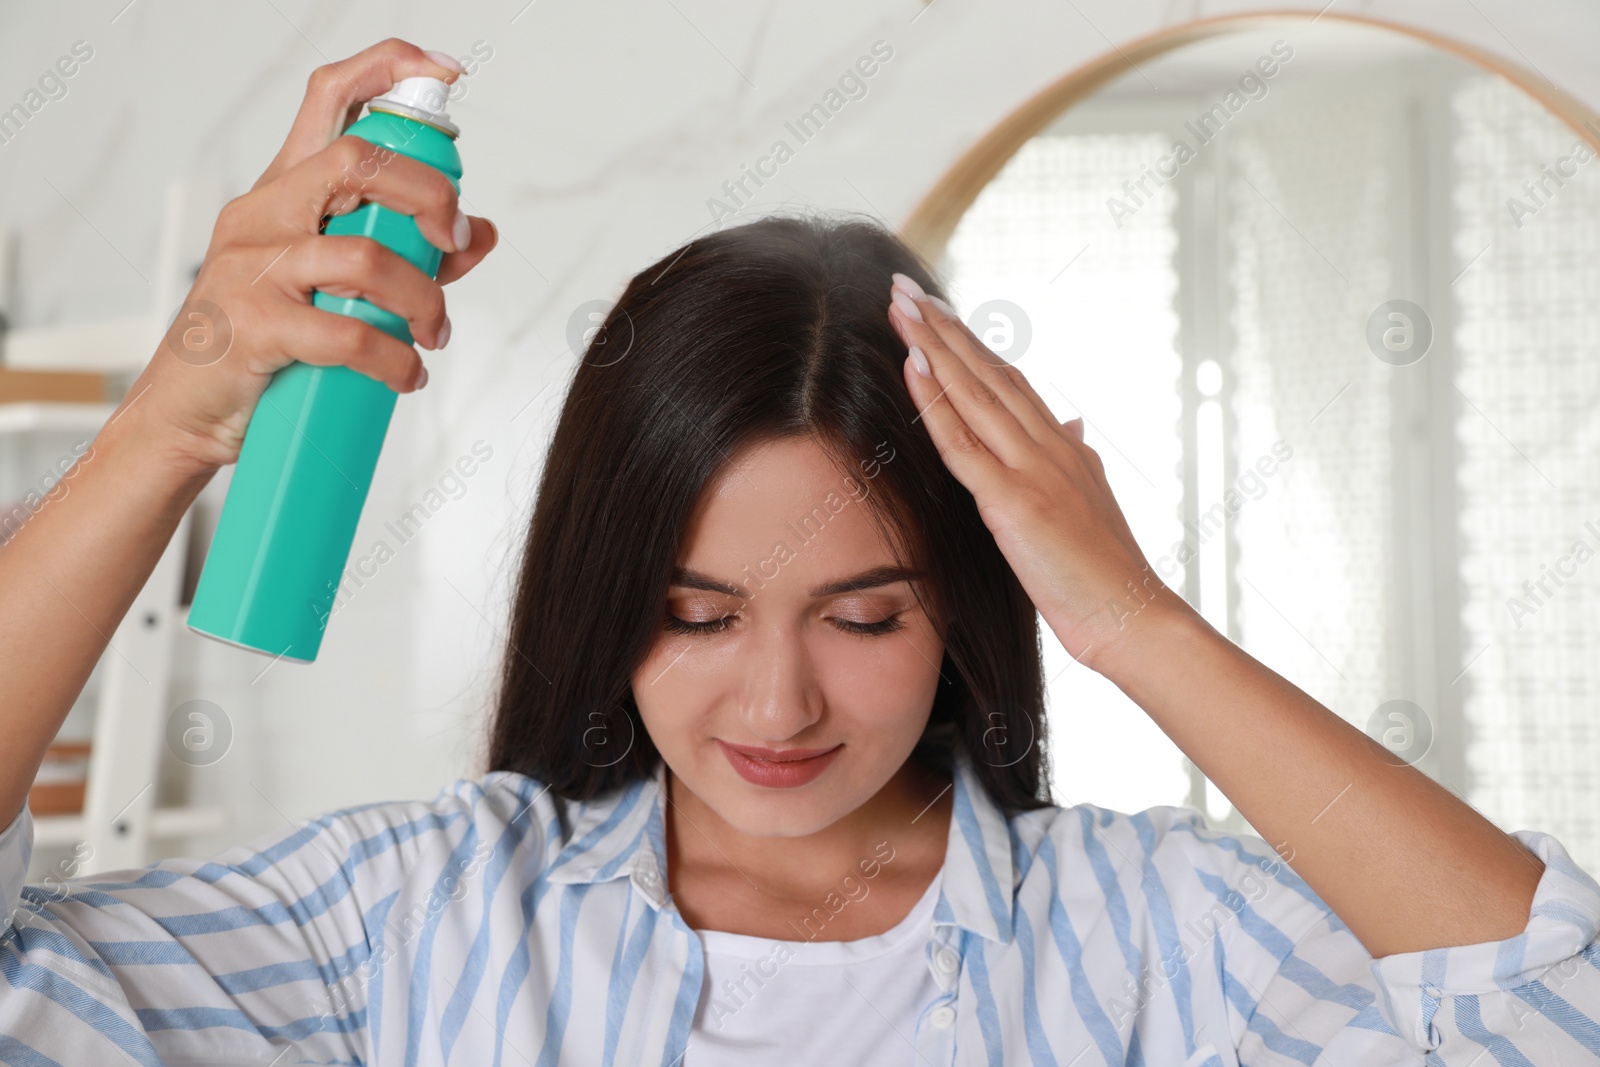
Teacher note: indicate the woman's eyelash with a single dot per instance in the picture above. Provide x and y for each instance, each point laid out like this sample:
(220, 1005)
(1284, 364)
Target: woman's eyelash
(683, 626)
(864, 629)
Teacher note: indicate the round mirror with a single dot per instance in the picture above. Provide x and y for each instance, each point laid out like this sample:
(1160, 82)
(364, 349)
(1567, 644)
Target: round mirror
(1327, 298)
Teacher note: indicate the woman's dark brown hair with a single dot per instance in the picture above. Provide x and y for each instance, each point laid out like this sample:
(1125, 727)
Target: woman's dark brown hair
(766, 330)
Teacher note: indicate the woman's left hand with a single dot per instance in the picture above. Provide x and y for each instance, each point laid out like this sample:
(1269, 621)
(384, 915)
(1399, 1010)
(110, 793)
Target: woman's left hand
(1041, 491)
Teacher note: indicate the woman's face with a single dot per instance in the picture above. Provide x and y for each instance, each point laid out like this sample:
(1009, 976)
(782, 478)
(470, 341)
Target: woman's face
(782, 656)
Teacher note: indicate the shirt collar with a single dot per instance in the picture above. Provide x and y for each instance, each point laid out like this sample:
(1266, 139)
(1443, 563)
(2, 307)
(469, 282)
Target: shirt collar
(621, 834)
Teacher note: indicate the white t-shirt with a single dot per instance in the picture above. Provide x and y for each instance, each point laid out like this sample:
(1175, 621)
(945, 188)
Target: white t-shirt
(818, 1003)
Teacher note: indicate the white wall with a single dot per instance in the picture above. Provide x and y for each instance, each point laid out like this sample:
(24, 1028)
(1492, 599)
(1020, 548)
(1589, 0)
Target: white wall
(594, 137)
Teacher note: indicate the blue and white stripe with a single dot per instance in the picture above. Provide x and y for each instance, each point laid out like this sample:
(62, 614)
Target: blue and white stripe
(500, 925)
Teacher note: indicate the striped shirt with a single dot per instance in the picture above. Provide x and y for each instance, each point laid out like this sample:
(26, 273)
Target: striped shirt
(499, 924)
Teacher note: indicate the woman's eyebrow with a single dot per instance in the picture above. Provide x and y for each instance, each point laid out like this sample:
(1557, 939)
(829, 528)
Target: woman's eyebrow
(868, 579)
(689, 578)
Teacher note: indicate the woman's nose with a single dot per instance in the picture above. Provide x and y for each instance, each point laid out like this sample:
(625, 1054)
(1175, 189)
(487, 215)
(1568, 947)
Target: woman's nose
(781, 697)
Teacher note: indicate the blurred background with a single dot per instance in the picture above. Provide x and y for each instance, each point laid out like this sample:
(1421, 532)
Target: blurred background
(1322, 283)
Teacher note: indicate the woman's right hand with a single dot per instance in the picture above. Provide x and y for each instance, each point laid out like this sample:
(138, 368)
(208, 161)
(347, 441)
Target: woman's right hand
(249, 311)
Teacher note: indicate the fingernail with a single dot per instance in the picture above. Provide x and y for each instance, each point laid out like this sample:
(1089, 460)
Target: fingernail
(444, 334)
(919, 361)
(445, 59)
(422, 378)
(907, 308)
(494, 231)
(942, 306)
(908, 283)
(462, 231)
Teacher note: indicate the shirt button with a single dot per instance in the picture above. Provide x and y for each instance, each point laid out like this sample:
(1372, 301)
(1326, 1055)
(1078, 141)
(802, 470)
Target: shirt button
(943, 1017)
(947, 961)
(648, 876)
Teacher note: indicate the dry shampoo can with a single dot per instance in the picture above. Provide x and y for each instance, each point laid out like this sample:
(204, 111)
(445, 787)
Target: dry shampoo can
(309, 452)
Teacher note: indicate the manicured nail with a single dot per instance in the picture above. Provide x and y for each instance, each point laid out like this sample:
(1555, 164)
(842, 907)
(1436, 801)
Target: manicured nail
(942, 306)
(920, 361)
(462, 231)
(908, 283)
(907, 308)
(445, 59)
(444, 334)
(422, 378)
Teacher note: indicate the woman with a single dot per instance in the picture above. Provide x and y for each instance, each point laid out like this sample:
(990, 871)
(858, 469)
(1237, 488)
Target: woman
(767, 769)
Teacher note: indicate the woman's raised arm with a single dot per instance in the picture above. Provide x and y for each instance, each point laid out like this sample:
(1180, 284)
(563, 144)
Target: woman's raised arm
(1459, 921)
(1404, 862)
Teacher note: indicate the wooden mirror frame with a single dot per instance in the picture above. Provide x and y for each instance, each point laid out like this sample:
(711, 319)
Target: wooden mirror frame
(934, 218)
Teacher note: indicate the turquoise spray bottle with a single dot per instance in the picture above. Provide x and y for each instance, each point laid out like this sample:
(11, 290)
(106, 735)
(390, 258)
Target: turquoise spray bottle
(288, 521)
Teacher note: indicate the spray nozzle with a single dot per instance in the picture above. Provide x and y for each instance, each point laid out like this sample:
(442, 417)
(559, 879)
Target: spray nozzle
(420, 98)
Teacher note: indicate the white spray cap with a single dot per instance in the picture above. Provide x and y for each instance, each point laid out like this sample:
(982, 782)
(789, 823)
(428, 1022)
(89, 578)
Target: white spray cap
(419, 98)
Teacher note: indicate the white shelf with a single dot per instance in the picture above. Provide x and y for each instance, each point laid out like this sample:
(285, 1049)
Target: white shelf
(31, 415)
(131, 704)
(52, 830)
(108, 345)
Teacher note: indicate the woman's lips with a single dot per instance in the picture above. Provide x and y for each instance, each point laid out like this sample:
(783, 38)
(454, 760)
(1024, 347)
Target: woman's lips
(778, 769)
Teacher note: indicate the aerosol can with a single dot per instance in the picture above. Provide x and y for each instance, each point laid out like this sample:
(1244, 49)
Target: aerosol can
(289, 519)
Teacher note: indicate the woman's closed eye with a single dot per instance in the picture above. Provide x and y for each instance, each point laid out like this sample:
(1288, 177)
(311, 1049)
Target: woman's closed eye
(849, 626)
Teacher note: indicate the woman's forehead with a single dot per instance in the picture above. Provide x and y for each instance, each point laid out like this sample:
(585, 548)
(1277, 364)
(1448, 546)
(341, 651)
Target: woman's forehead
(785, 504)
